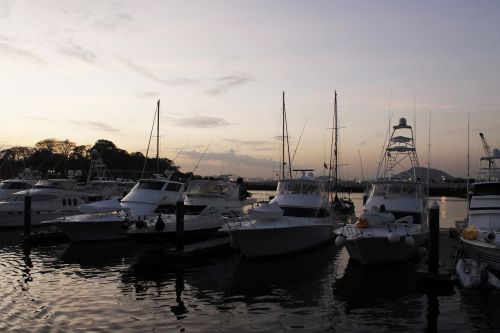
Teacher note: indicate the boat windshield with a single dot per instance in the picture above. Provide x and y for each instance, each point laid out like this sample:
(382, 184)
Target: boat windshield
(300, 186)
(150, 185)
(210, 187)
(394, 188)
(14, 186)
(486, 189)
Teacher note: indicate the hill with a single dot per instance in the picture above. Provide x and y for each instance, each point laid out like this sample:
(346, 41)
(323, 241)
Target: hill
(435, 175)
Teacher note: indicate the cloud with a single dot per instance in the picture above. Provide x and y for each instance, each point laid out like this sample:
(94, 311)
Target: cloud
(114, 19)
(7, 48)
(38, 118)
(230, 157)
(148, 94)
(253, 144)
(224, 83)
(95, 126)
(201, 122)
(4, 9)
(177, 81)
(79, 52)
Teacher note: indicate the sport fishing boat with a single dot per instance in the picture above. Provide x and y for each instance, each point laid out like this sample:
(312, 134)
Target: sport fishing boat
(299, 217)
(205, 202)
(393, 224)
(481, 237)
(109, 219)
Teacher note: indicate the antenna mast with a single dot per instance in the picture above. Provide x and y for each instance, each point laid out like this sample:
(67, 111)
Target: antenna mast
(158, 138)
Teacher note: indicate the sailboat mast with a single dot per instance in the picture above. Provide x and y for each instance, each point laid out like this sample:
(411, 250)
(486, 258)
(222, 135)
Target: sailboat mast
(158, 138)
(283, 138)
(336, 129)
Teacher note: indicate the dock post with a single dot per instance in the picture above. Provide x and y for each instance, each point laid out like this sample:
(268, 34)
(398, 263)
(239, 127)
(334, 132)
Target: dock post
(179, 225)
(433, 238)
(27, 213)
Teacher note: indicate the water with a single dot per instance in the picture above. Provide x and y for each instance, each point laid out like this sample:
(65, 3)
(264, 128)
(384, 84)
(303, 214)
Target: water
(122, 286)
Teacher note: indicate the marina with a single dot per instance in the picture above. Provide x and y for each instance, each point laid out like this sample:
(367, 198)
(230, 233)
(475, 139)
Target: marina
(127, 286)
(249, 166)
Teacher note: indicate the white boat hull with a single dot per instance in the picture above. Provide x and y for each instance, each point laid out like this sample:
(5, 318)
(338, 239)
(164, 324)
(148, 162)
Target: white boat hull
(260, 242)
(378, 250)
(96, 228)
(483, 252)
(16, 219)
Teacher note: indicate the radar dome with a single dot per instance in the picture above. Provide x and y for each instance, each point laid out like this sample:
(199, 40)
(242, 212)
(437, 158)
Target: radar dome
(495, 153)
(71, 173)
(27, 170)
(402, 121)
(79, 173)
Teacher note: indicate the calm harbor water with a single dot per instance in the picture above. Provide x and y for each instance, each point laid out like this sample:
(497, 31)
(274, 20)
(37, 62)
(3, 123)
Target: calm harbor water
(122, 286)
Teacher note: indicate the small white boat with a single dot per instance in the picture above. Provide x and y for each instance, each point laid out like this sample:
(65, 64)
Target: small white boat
(109, 219)
(299, 217)
(205, 202)
(393, 224)
(472, 274)
(481, 237)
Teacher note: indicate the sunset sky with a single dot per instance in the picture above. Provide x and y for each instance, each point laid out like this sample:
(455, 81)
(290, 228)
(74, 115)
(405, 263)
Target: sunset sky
(89, 70)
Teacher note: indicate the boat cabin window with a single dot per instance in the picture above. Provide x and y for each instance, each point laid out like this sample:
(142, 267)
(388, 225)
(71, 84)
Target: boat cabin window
(298, 186)
(43, 197)
(174, 187)
(384, 189)
(486, 189)
(150, 185)
(304, 212)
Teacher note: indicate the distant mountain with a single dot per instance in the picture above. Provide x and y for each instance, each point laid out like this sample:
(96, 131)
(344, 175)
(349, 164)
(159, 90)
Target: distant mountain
(435, 175)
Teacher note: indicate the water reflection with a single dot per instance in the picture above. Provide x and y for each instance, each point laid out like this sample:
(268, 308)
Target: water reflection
(99, 254)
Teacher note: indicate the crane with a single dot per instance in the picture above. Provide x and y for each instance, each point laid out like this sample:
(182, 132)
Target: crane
(486, 147)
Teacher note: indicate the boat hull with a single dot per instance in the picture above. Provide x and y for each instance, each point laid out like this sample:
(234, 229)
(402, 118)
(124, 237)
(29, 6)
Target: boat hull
(483, 252)
(262, 242)
(196, 228)
(378, 250)
(15, 219)
(93, 231)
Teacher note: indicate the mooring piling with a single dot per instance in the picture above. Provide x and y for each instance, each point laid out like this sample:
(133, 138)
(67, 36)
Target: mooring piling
(179, 225)
(27, 213)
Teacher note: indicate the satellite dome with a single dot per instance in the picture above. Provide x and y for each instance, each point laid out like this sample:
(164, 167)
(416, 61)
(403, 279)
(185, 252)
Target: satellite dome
(79, 173)
(27, 170)
(402, 121)
(495, 153)
(71, 173)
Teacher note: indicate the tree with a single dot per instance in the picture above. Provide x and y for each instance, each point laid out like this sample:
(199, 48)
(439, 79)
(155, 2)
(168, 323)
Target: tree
(47, 144)
(65, 148)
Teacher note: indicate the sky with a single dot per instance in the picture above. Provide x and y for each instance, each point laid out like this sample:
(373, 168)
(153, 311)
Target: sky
(89, 70)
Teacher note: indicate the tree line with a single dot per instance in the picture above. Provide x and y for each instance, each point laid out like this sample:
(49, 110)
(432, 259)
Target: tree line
(53, 158)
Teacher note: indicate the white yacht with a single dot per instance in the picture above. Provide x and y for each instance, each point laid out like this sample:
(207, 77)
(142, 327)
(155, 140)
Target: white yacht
(50, 199)
(24, 181)
(109, 219)
(481, 237)
(393, 224)
(299, 217)
(205, 202)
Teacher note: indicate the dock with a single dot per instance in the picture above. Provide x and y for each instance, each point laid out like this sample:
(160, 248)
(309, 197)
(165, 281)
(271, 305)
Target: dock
(448, 247)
